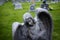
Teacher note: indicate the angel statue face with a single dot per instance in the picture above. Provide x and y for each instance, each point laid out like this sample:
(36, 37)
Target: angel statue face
(28, 19)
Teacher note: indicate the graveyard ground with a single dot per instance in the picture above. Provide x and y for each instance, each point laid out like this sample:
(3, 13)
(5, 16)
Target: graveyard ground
(8, 15)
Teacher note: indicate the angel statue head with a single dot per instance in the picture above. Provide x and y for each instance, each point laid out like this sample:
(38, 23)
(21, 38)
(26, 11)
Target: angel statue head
(28, 19)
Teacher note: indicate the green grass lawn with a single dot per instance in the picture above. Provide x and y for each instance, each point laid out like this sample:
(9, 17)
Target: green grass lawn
(8, 15)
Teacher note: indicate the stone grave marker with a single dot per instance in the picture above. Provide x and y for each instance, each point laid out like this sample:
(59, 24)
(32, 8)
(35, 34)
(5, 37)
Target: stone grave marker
(32, 7)
(18, 5)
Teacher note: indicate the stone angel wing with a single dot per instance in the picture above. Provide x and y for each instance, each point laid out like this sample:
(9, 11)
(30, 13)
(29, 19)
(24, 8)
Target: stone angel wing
(42, 15)
(17, 29)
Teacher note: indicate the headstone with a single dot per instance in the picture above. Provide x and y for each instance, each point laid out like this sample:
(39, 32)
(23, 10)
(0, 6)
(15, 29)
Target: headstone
(32, 7)
(18, 5)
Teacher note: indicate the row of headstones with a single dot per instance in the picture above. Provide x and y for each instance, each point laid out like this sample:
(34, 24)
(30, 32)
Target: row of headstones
(18, 5)
(35, 0)
(25, 0)
(2, 1)
(32, 6)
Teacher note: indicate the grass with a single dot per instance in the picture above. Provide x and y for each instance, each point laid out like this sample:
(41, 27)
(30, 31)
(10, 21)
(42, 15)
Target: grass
(8, 15)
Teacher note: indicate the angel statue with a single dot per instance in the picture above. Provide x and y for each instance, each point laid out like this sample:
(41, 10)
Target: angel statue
(38, 28)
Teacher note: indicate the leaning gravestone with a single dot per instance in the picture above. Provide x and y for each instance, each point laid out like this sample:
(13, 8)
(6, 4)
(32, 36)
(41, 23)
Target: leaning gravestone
(32, 7)
(17, 5)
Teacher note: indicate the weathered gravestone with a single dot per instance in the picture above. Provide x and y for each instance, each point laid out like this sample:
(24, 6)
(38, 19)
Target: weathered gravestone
(45, 5)
(18, 5)
(32, 7)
